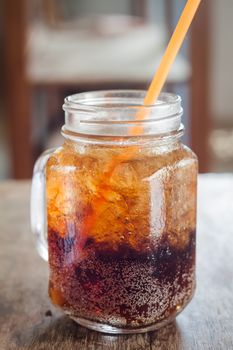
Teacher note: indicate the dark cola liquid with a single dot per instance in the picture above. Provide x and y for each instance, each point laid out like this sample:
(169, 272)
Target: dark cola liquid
(121, 287)
(122, 247)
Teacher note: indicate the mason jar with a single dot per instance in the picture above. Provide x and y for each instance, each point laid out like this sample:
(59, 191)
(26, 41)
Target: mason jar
(114, 212)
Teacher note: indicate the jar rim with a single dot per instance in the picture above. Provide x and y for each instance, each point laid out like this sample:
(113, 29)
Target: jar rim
(94, 99)
(115, 112)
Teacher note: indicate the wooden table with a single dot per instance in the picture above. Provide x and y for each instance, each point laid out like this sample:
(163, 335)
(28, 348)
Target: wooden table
(29, 321)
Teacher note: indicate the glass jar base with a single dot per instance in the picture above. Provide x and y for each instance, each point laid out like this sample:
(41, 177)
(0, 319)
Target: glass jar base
(105, 328)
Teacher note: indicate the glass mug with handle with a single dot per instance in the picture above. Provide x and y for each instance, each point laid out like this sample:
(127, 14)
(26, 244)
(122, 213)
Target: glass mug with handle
(115, 215)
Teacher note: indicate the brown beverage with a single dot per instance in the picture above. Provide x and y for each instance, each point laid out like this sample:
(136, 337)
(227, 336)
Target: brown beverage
(122, 245)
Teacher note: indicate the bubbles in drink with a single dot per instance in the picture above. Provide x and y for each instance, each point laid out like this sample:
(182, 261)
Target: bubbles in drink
(122, 248)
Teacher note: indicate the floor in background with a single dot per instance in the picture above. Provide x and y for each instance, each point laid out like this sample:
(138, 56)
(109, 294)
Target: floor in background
(4, 151)
(221, 150)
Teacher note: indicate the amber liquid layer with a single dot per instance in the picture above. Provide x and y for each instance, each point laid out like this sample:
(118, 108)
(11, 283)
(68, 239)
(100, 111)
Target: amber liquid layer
(122, 251)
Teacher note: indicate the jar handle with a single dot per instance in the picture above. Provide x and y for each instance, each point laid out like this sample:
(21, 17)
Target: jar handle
(38, 204)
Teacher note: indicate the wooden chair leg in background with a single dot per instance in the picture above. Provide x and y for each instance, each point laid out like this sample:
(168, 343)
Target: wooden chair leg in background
(200, 109)
(17, 91)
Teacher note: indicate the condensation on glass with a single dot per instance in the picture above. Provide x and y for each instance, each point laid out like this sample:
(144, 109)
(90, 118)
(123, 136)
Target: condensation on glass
(118, 212)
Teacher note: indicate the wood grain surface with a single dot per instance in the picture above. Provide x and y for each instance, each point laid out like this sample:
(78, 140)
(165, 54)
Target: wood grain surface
(29, 321)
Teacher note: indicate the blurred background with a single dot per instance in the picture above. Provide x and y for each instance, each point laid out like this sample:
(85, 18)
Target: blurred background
(53, 48)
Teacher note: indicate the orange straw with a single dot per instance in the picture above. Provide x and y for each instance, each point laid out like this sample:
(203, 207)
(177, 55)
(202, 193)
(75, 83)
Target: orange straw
(167, 60)
(150, 99)
(171, 51)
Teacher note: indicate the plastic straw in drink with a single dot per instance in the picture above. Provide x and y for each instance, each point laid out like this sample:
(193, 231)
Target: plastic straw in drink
(167, 60)
(150, 99)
